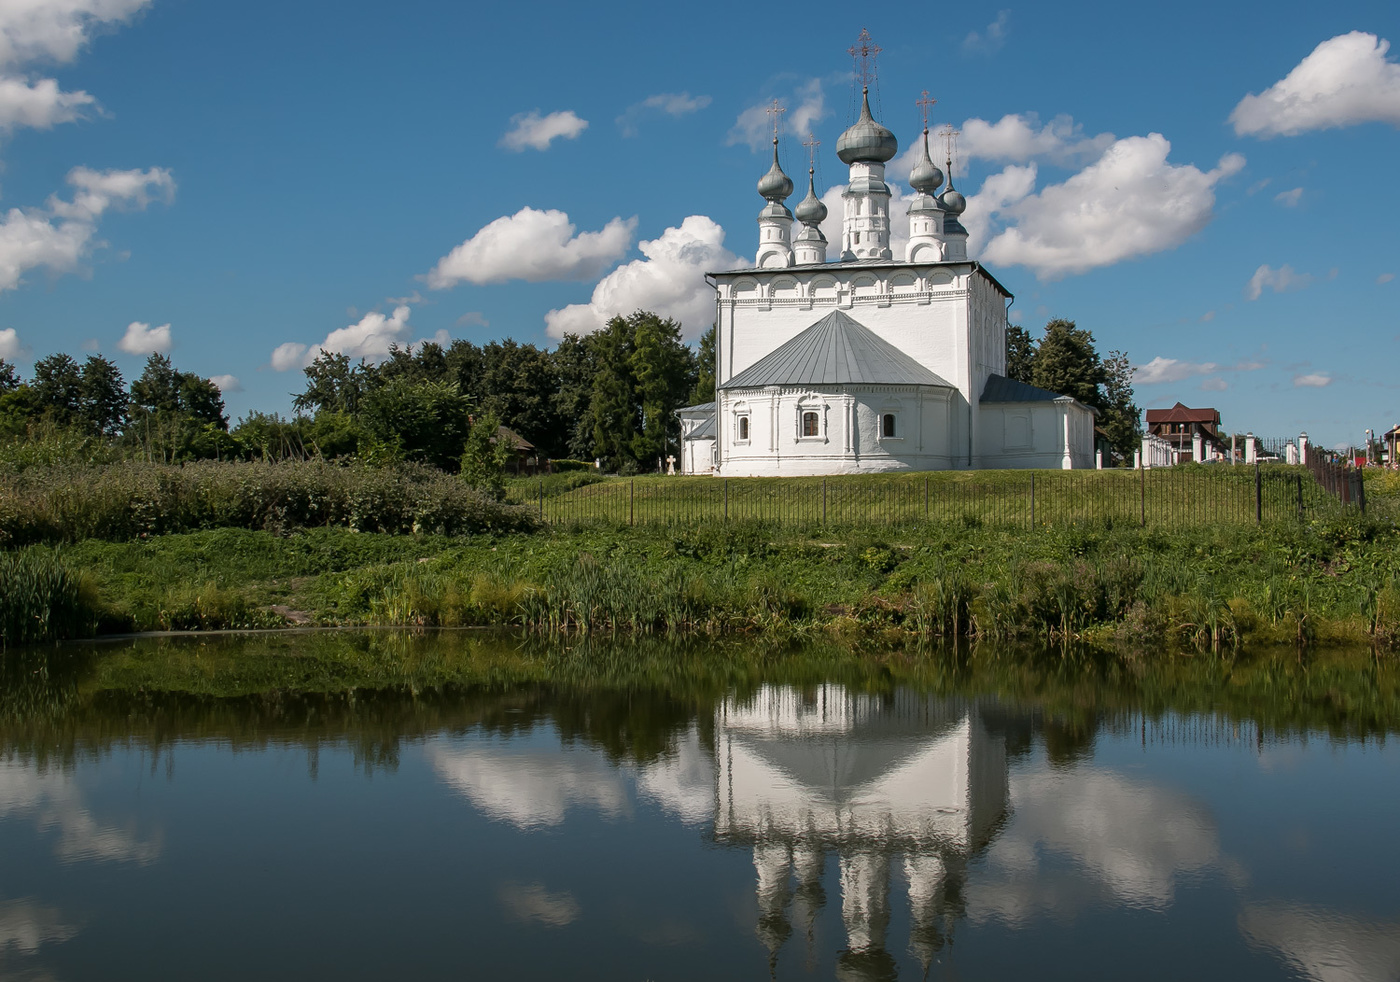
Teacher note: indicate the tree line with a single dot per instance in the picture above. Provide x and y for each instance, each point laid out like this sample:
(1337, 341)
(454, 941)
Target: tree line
(611, 395)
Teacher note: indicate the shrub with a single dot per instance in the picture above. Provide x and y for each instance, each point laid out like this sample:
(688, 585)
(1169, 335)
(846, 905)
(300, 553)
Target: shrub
(41, 599)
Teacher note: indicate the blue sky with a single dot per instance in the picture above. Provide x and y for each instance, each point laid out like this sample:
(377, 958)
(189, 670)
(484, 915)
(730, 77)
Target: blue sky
(1211, 188)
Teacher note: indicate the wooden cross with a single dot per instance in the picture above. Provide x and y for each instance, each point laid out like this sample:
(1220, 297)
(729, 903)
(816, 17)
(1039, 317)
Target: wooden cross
(864, 52)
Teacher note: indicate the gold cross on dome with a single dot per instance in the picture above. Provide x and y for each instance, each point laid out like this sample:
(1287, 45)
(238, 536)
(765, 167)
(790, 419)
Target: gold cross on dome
(776, 110)
(925, 103)
(950, 141)
(811, 143)
(864, 52)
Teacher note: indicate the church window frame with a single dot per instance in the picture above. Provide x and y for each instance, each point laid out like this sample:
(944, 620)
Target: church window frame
(743, 426)
(889, 426)
(810, 422)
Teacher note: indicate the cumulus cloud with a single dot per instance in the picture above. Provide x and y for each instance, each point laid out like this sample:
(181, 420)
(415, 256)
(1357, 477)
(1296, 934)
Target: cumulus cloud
(473, 318)
(143, 339)
(59, 236)
(1161, 369)
(990, 39)
(370, 338)
(531, 130)
(1345, 81)
(1214, 385)
(288, 356)
(1017, 138)
(53, 801)
(10, 347)
(1131, 202)
(1281, 280)
(1289, 199)
(532, 245)
(669, 280)
(1324, 946)
(667, 103)
(28, 926)
(226, 383)
(1314, 381)
(806, 105)
(531, 789)
(49, 31)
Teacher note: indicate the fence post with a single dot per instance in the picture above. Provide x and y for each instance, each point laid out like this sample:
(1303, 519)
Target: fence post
(1032, 499)
(541, 499)
(726, 499)
(632, 503)
(823, 502)
(926, 497)
(1299, 481)
(1361, 491)
(1259, 496)
(1143, 493)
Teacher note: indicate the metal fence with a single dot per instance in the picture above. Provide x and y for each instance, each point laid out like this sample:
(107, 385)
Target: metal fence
(1346, 484)
(1179, 496)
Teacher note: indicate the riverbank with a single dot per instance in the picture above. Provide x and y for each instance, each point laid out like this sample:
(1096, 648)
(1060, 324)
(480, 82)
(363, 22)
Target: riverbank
(1137, 592)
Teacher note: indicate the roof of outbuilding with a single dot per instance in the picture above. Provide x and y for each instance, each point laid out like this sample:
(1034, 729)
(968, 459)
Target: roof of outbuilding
(699, 409)
(1181, 414)
(836, 350)
(999, 388)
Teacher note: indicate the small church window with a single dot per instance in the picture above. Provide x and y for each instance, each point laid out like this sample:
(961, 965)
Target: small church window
(887, 425)
(743, 427)
(809, 425)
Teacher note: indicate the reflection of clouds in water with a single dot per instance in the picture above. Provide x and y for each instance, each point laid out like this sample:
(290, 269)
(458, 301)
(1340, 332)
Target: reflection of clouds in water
(53, 801)
(1134, 839)
(531, 788)
(28, 927)
(1324, 946)
(532, 902)
(683, 784)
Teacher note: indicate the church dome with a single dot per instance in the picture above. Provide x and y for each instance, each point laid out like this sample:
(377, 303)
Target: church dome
(926, 178)
(866, 140)
(811, 211)
(775, 185)
(952, 201)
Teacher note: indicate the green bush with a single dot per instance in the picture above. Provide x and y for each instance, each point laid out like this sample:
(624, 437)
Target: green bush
(42, 599)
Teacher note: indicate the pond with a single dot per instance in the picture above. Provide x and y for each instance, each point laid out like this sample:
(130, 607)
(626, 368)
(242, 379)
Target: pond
(456, 806)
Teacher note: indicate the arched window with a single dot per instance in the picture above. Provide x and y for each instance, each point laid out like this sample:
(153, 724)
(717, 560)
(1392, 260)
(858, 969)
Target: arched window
(743, 427)
(887, 427)
(810, 425)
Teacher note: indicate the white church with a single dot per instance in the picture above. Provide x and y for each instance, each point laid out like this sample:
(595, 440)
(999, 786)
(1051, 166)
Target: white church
(866, 362)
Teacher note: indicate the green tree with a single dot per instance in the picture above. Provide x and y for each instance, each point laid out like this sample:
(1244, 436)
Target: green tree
(333, 384)
(613, 400)
(58, 389)
(177, 415)
(706, 364)
(1067, 363)
(517, 383)
(486, 456)
(102, 396)
(575, 364)
(1020, 354)
(9, 378)
(663, 370)
(1119, 417)
(422, 421)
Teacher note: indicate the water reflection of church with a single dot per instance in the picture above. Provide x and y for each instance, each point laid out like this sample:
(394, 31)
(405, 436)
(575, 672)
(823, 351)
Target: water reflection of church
(898, 783)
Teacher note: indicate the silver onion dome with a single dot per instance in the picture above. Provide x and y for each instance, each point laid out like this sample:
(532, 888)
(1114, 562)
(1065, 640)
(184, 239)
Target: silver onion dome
(952, 201)
(865, 139)
(811, 211)
(775, 185)
(926, 178)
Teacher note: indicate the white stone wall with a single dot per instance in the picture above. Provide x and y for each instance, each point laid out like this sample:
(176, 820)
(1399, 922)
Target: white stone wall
(697, 456)
(849, 437)
(1032, 435)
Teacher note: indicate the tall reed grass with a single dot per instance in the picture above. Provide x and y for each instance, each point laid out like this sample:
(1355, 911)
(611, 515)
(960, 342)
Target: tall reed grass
(133, 500)
(42, 599)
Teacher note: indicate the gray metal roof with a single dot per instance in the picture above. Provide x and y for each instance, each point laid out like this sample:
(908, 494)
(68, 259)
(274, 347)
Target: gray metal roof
(999, 388)
(706, 430)
(699, 409)
(836, 350)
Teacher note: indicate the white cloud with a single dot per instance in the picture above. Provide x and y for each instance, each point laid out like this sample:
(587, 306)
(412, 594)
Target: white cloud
(1129, 203)
(1020, 138)
(531, 789)
(1324, 946)
(60, 236)
(1279, 280)
(1214, 385)
(143, 339)
(473, 318)
(1161, 369)
(532, 245)
(1314, 381)
(669, 103)
(669, 281)
(1346, 80)
(1289, 199)
(48, 31)
(288, 356)
(10, 347)
(226, 383)
(806, 105)
(531, 130)
(54, 802)
(39, 104)
(1384, 278)
(28, 926)
(991, 39)
(1209, 315)
(55, 30)
(532, 902)
(1009, 186)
